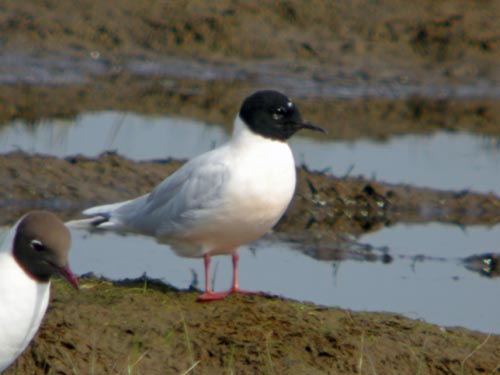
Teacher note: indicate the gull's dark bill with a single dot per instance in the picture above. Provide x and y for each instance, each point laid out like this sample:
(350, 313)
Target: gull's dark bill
(308, 125)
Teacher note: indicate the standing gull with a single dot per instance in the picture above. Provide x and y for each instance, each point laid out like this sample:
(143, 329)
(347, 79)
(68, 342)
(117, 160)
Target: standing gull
(224, 198)
(35, 249)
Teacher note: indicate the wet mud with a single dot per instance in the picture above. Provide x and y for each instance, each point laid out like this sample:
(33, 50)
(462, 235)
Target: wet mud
(452, 40)
(323, 206)
(145, 327)
(217, 102)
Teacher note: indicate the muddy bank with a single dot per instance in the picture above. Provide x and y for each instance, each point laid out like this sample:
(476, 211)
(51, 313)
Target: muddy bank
(217, 102)
(145, 327)
(451, 40)
(400, 68)
(323, 206)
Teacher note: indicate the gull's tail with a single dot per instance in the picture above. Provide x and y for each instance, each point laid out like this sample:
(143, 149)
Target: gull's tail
(102, 218)
(88, 224)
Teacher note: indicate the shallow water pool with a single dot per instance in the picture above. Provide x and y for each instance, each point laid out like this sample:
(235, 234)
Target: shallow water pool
(442, 160)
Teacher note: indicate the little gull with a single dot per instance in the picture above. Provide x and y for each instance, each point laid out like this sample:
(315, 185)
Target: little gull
(224, 198)
(34, 249)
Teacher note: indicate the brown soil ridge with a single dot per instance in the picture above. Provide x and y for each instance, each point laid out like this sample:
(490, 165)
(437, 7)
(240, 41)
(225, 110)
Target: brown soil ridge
(145, 327)
(217, 102)
(323, 205)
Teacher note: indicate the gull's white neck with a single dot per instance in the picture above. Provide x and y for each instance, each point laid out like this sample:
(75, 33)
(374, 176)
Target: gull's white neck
(243, 136)
(23, 302)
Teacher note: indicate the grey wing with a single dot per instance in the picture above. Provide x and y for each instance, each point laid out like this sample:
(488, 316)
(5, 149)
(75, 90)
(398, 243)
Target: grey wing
(177, 202)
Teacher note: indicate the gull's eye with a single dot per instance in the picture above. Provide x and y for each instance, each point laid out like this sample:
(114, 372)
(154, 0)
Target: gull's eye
(37, 245)
(280, 112)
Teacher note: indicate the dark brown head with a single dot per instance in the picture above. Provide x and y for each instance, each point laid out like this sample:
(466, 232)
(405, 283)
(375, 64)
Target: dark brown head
(41, 245)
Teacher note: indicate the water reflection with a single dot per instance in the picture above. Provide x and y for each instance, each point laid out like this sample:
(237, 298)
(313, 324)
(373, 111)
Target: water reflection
(424, 278)
(487, 265)
(455, 161)
(136, 137)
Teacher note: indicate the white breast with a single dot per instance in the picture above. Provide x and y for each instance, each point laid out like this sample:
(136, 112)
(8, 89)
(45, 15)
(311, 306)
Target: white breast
(258, 191)
(23, 303)
(263, 182)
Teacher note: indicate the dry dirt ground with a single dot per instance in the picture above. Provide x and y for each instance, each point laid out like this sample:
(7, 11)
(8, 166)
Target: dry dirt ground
(144, 327)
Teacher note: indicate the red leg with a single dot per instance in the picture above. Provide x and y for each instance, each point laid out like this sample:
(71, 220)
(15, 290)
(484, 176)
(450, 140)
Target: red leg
(235, 287)
(235, 258)
(209, 295)
(206, 261)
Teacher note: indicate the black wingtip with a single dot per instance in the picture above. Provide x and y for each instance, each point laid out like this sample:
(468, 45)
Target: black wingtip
(99, 220)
